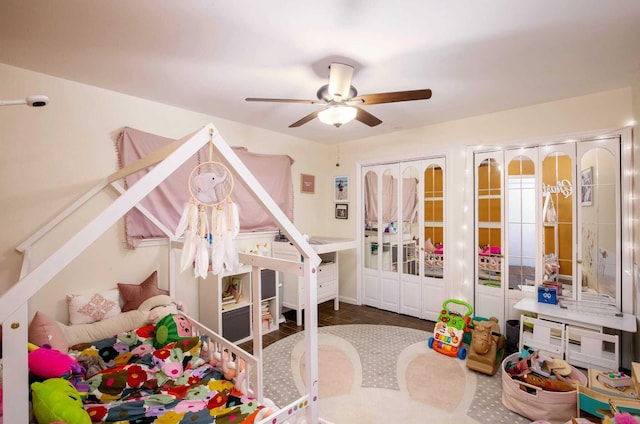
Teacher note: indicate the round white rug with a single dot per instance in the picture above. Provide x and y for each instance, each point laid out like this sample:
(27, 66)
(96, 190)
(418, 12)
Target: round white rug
(376, 373)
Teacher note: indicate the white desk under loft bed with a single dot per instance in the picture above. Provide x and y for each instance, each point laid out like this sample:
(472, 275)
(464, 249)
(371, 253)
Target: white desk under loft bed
(293, 290)
(575, 330)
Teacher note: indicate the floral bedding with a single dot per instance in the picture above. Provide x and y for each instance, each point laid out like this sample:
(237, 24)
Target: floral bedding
(172, 384)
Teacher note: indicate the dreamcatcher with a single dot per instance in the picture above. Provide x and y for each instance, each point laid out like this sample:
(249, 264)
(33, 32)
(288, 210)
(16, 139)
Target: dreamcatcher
(209, 221)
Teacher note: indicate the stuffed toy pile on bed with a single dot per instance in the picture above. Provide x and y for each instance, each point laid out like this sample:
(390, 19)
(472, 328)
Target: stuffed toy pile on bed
(158, 372)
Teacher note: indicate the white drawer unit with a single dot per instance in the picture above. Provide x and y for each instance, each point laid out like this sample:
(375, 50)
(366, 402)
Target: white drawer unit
(327, 286)
(327, 281)
(327, 271)
(293, 293)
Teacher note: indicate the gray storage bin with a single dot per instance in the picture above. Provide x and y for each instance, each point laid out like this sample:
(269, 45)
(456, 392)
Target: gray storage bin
(513, 336)
(236, 323)
(268, 283)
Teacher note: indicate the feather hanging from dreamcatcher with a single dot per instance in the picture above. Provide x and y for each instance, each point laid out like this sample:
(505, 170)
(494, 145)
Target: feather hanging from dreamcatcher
(209, 221)
(189, 221)
(232, 221)
(201, 265)
(217, 251)
(184, 218)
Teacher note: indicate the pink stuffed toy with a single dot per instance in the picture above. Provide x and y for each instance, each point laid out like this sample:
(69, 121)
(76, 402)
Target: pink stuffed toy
(46, 362)
(491, 250)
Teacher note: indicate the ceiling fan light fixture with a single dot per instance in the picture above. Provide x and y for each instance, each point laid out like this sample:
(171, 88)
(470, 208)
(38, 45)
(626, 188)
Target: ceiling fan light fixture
(340, 80)
(337, 115)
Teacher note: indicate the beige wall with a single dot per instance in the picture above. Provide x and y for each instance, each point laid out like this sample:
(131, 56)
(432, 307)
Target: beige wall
(52, 155)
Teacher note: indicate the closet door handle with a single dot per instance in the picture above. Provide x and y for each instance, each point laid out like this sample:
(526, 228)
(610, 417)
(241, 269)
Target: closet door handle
(579, 261)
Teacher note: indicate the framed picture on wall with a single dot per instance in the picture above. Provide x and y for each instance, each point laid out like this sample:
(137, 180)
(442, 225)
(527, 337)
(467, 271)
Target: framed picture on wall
(307, 183)
(586, 178)
(341, 189)
(342, 211)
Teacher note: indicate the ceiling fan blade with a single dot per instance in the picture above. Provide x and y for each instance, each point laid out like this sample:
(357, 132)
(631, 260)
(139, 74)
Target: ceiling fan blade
(308, 102)
(304, 120)
(396, 96)
(367, 118)
(340, 76)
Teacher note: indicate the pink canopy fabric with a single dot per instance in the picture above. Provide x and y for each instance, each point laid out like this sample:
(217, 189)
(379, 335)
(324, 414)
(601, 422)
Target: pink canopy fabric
(167, 201)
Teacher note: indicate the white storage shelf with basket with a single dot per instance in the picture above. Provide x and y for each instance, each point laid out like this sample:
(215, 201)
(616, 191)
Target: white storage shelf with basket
(579, 346)
(233, 320)
(545, 335)
(591, 336)
(293, 290)
(587, 348)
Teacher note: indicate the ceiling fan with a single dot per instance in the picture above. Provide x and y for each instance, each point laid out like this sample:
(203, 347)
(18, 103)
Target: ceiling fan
(341, 100)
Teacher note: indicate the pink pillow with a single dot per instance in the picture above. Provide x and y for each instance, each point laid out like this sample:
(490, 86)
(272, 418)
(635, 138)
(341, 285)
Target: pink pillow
(134, 294)
(44, 330)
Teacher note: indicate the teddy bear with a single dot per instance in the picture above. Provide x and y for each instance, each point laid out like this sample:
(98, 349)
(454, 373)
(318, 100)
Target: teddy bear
(205, 187)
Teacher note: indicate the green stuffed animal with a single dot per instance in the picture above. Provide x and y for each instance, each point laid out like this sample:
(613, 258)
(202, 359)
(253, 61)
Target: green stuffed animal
(57, 400)
(171, 328)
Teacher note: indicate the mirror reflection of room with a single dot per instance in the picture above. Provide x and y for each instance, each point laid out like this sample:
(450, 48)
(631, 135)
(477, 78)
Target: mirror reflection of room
(521, 186)
(598, 218)
(399, 228)
(489, 232)
(433, 222)
(557, 201)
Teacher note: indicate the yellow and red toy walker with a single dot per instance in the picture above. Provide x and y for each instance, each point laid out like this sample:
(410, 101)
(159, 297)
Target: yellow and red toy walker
(448, 334)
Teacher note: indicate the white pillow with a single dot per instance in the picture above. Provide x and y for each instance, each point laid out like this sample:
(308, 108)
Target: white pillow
(108, 327)
(85, 309)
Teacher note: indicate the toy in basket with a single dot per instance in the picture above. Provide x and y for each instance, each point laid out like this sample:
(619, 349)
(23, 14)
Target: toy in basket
(448, 333)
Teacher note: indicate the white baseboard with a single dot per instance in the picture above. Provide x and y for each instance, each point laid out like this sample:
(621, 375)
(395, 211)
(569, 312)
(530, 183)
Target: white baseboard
(349, 300)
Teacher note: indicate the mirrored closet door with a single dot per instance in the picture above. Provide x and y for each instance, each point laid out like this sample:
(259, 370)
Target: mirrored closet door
(599, 212)
(489, 245)
(522, 184)
(403, 242)
(551, 214)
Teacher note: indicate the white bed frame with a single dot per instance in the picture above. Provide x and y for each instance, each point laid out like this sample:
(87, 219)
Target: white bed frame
(14, 313)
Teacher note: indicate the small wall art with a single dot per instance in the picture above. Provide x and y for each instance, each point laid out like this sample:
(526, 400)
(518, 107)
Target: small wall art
(342, 211)
(307, 183)
(341, 189)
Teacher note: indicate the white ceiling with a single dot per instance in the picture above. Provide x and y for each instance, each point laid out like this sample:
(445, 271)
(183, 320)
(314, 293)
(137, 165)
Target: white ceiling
(477, 56)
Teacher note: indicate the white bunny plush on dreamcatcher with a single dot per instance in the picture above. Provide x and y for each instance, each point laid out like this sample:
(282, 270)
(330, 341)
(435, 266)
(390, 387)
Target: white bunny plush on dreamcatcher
(209, 221)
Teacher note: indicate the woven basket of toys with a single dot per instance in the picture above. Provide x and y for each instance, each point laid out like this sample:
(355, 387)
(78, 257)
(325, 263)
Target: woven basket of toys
(540, 387)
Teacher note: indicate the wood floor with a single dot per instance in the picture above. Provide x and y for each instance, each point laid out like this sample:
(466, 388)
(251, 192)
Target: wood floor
(347, 314)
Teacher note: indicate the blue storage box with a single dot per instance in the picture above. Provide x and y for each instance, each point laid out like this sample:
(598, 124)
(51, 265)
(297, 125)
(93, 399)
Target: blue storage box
(547, 295)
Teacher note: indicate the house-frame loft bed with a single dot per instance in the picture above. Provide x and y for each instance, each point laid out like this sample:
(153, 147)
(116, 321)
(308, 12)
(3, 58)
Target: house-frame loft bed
(163, 162)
